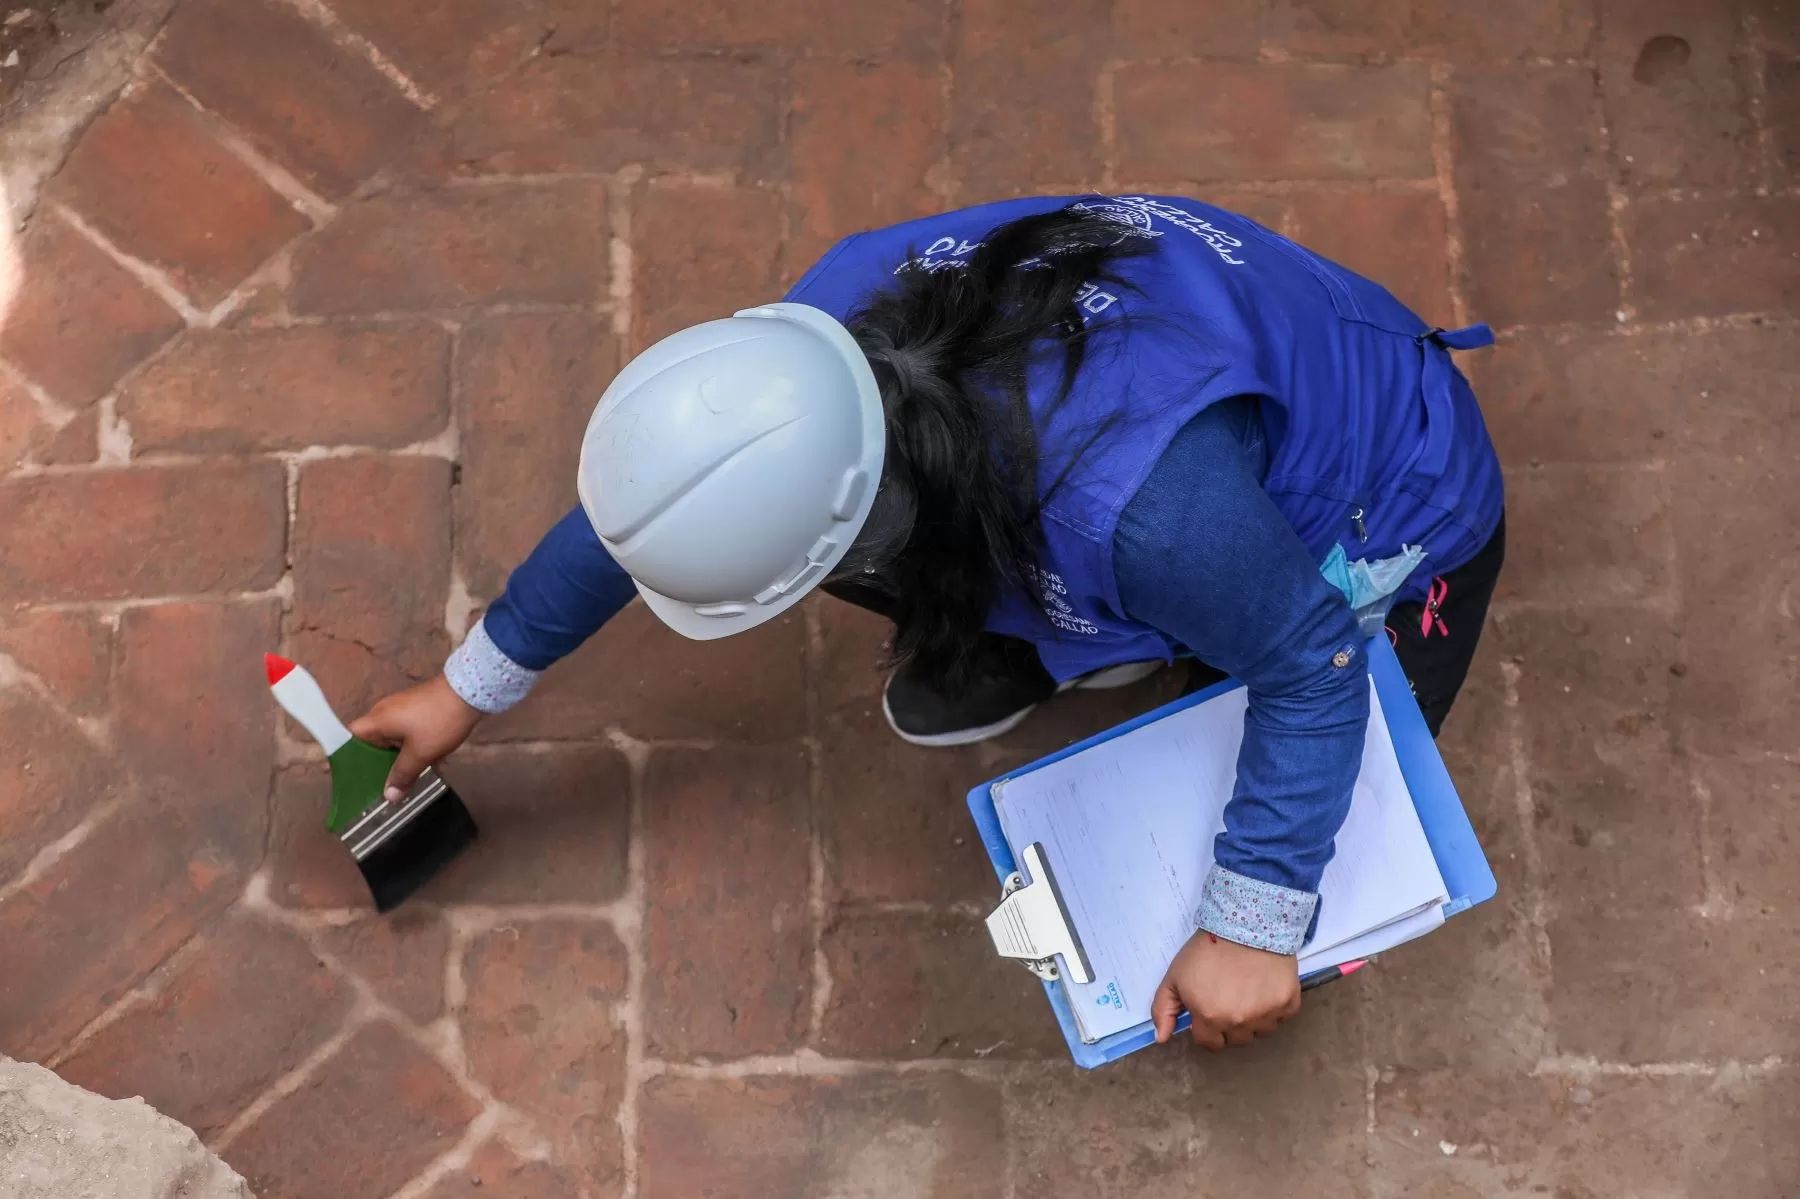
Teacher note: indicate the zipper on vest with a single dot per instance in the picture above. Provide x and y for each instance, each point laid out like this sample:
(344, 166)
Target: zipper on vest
(1356, 518)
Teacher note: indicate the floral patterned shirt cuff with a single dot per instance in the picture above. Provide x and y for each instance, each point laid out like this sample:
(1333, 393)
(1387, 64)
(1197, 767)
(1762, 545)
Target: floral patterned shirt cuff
(1254, 913)
(485, 678)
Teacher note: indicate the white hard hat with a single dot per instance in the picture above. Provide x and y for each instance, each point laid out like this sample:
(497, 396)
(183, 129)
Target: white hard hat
(728, 467)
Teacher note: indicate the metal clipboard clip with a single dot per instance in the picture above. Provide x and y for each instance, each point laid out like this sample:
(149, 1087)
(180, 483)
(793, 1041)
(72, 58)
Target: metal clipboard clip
(1032, 925)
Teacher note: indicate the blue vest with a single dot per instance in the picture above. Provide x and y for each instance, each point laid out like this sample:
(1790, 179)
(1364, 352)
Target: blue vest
(1376, 439)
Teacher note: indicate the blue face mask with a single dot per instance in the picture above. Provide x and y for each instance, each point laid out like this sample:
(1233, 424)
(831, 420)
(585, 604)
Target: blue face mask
(1370, 587)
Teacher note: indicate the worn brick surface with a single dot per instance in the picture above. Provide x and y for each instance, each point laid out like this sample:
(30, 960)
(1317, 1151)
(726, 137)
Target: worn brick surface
(564, 809)
(525, 388)
(247, 1004)
(1551, 398)
(713, 248)
(637, 675)
(582, 112)
(213, 527)
(1588, 534)
(194, 719)
(903, 29)
(1398, 240)
(308, 867)
(401, 956)
(1169, 28)
(414, 251)
(1756, 827)
(1300, 121)
(70, 653)
(1739, 692)
(465, 45)
(911, 986)
(90, 926)
(865, 139)
(325, 114)
(49, 783)
(1530, 180)
(243, 390)
(155, 181)
(540, 1029)
(1676, 94)
(371, 562)
(726, 934)
(920, 1134)
(406, 1110)
(1713, 255)
(500, 1174)
(1023, 110)
(1599, 1136)
(84, 321)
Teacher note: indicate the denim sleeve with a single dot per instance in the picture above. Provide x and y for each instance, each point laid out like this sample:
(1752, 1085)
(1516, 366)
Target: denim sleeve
(556, 599)
(1203, 554)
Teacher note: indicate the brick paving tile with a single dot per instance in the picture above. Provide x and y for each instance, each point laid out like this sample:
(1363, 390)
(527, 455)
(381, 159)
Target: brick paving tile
(1618, 550)
(85, 320)
(234, 391)
(865, 137)
(1438, 1135)
(308, 867)
(1396, 239)
(210, 527)
(499, 1174)
(911, 986)
(1756, 831)
(71, 653)
(906, 28)
(1299, 121)
(1677, 99)
(585, 112)
(1553, 399)
(400, 956)
(540, 1029)
(728, 968)
(244, 1007)
(1536, 233)
(564, 809)
(371, 549)
(1173, 29)
(49, 785)
(98, 919)
(883, 1136)
(154, 180)
(193, 716)
(304, 102)
(1781, 80)
(492, 244)
(712, 246)
(1022, 109)
(525, 387)
(1739, 690)
(1715, 255)
(364, 1122)
(639, 676)
(459, 46)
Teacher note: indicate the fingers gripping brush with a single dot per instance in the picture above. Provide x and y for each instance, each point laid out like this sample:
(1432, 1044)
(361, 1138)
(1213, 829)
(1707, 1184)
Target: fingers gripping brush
(397, 846)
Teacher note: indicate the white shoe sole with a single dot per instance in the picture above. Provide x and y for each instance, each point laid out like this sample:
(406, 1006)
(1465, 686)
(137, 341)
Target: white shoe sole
(1100, 680)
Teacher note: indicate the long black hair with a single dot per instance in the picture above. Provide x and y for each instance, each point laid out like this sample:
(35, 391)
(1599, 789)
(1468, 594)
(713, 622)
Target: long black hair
(951, 342)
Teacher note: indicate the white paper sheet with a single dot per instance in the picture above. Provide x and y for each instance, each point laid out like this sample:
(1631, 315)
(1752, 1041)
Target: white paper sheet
(1128, 829)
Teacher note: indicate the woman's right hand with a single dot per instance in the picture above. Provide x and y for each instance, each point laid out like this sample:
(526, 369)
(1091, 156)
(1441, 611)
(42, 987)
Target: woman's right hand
(425, 723)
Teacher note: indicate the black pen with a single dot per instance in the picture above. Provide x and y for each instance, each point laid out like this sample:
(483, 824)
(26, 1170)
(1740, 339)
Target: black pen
(1320, 977)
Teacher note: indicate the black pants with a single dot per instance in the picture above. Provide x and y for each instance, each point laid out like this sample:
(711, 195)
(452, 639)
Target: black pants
(1434, 639)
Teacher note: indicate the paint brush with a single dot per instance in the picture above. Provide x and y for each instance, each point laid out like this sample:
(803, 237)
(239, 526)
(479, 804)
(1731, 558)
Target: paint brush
(399, 845)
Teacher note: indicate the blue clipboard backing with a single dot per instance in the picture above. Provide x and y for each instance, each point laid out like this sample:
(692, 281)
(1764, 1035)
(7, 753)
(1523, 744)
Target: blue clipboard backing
(1460, 859)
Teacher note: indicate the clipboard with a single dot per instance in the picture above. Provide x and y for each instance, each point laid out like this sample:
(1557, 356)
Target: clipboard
(1037, 911)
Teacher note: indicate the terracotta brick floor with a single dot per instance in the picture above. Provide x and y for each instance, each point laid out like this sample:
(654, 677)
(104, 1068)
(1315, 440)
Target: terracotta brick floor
(306, 327)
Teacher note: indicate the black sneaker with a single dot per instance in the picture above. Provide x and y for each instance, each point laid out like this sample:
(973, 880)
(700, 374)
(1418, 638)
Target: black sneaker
(1008, 683)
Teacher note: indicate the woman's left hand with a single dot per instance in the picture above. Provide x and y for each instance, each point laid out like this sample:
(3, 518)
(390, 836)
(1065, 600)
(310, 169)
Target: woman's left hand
(1234, 993)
